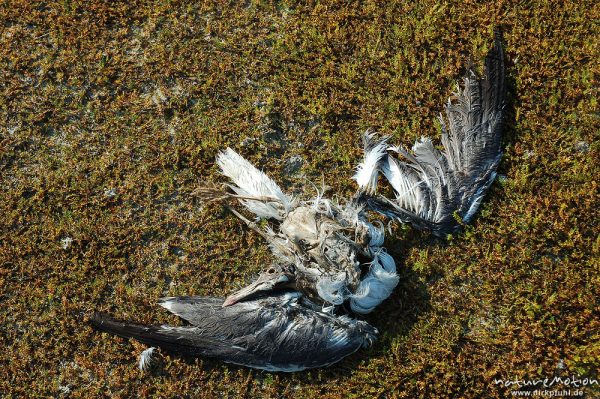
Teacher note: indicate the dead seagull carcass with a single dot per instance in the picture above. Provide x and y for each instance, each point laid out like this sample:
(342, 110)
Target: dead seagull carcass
(329, 261)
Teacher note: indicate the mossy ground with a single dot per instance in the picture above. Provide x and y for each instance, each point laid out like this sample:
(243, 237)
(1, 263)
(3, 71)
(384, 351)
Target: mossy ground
(111, 114)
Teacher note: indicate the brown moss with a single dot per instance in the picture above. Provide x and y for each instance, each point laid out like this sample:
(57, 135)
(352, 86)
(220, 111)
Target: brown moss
(112, 113)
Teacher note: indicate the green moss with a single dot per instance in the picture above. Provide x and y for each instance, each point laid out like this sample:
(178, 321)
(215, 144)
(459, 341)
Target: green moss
(139, 97)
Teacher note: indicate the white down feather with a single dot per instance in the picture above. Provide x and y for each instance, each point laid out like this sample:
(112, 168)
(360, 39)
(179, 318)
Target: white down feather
(377, 285)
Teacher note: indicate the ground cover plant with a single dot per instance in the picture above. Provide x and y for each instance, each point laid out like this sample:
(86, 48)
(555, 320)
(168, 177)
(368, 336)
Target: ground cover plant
(111, 114)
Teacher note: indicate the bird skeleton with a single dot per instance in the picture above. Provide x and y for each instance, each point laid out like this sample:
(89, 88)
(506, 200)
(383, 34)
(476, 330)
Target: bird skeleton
(323, 241)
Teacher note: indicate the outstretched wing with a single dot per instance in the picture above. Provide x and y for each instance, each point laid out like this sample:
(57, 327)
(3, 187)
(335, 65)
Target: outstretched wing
(274, 333)
(431, 185)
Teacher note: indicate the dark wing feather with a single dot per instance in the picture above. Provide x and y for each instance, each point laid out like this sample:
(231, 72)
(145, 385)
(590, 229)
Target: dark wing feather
(180, 340)
(432, 185)
(273, 333)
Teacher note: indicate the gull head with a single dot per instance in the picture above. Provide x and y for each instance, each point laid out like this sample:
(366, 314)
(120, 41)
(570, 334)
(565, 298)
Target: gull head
(273, 278)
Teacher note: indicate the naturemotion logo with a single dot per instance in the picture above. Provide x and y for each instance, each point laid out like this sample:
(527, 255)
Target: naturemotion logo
(542, 387)
(572, 381)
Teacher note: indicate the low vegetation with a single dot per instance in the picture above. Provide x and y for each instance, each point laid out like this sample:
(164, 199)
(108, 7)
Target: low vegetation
(111, 114)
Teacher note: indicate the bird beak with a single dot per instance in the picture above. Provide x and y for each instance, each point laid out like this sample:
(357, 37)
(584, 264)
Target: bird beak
(265, 282)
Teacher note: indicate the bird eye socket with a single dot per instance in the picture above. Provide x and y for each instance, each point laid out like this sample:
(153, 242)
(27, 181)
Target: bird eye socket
(271, 271)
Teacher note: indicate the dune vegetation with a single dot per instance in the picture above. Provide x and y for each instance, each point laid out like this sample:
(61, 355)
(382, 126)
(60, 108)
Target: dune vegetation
(112, 113)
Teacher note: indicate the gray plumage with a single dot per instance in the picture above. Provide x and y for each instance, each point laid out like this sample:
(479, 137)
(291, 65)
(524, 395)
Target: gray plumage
(431, 185)
(275, 333)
